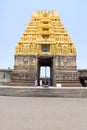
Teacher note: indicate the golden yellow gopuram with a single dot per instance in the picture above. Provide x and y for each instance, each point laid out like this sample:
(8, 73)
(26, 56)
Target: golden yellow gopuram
(45, 43)
(45, 27)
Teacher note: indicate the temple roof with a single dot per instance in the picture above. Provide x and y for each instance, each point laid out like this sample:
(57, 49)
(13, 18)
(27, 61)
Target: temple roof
(45, 29)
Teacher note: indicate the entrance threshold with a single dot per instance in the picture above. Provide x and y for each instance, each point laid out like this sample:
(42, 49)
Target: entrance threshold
(36, 87)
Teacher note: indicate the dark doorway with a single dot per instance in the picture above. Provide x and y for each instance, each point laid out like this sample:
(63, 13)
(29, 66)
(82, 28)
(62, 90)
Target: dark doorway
(45, 71)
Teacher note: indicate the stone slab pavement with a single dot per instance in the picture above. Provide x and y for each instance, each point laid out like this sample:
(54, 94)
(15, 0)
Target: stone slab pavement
(32, 113)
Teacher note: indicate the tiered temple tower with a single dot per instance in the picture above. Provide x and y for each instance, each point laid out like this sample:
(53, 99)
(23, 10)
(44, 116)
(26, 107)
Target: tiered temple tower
(45, 42)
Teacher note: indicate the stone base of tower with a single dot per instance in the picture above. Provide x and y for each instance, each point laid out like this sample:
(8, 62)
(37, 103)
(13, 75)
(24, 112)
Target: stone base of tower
(67, 78)
(62, 70)
(25, 70)
(22, 78)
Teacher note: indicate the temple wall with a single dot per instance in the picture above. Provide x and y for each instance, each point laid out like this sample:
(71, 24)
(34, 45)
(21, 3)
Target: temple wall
(5, 76)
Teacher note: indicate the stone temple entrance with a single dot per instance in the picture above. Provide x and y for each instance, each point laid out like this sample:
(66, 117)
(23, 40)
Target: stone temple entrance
(45, 70)
(45, 43)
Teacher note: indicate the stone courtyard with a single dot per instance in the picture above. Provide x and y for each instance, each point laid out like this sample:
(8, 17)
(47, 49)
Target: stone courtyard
(27, 113)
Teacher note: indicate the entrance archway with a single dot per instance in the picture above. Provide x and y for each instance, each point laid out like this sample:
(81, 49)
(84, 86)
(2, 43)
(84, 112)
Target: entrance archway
(45, 71)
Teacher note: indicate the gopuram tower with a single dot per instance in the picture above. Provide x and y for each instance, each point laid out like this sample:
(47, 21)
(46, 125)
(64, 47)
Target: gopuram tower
(45, 43)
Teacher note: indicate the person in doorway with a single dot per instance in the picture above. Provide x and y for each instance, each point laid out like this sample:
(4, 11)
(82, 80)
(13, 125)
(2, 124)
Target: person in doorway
(40, 82)
(48, 82)
(36, 83)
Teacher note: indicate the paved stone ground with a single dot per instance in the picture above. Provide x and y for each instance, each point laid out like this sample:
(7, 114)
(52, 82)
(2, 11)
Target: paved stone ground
(27, 113)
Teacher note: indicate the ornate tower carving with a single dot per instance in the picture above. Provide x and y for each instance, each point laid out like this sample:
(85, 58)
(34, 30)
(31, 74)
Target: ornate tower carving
(45, 27)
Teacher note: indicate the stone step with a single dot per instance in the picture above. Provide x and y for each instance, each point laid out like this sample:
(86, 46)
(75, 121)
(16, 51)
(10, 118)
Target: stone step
(44, 92)
(21, 84)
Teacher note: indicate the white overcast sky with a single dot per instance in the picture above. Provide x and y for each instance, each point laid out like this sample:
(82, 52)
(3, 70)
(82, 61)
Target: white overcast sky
(15, 15)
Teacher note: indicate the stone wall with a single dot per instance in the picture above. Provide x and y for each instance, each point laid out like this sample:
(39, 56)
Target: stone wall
(5, 76)
(82, 72)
